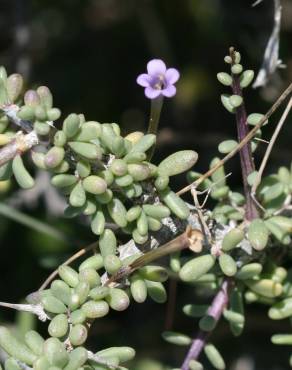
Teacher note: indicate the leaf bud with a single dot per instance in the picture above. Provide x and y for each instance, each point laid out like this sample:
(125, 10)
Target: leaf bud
(196, 267)
(176, 338)
(224, 78)
(95, 309)
(118, 299)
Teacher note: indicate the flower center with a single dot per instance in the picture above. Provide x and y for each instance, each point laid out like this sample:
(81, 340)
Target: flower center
(158, 82)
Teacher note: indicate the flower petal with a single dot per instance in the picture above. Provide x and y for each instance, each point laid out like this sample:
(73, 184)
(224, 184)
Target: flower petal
(143, 80)
(169, 92)
(156, 66)
(152, 93)
(171, 76)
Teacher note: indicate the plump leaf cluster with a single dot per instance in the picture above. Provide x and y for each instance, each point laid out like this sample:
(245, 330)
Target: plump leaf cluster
(110, 178)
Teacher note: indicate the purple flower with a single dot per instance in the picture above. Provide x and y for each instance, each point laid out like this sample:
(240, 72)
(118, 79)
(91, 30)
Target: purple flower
(159, 80)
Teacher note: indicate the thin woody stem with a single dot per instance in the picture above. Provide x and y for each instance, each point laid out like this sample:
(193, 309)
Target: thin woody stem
(216, 309)
(19, 145)
(247, 138)
(246, 159)
(175, 245)
(75, 256)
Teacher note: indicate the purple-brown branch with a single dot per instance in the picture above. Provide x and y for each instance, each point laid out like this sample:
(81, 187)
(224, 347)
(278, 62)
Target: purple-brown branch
(216, 309)
(246, 159)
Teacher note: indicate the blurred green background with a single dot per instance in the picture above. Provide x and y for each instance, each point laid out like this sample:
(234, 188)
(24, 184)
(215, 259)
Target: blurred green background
(89, 52)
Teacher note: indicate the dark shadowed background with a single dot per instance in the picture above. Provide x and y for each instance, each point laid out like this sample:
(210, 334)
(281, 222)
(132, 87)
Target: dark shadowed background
(89, 52)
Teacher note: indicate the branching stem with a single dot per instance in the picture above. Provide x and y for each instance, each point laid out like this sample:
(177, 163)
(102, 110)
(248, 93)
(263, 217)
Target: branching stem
(248, 137)
(19, 145)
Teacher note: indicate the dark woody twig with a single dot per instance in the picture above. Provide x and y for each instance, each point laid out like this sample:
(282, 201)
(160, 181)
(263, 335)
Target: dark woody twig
(246, 159)
(216, 309)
